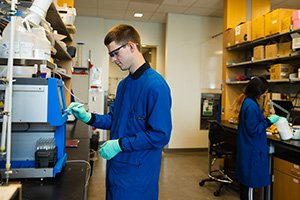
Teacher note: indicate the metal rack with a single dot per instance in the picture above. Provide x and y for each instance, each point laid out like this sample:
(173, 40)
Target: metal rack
(54, 122)
(7, 118)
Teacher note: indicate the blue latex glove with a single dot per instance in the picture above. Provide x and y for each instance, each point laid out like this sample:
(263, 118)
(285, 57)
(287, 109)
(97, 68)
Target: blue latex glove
(79, 112)
(110, 149)
(273, 118)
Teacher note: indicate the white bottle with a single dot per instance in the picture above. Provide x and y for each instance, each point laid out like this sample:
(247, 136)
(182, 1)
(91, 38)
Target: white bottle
(42, 46)
(284, 129)
(23, 43)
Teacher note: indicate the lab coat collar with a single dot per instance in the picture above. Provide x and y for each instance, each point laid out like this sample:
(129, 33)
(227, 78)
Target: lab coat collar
(253, 99)
(140, 71)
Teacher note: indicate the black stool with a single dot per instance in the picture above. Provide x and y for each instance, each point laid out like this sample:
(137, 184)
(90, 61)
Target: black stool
(218, 149)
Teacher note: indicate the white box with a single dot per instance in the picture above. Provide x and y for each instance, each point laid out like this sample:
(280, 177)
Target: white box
(67, 15)
(295, 41)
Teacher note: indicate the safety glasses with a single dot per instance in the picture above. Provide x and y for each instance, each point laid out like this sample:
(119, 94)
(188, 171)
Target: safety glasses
(115, 52)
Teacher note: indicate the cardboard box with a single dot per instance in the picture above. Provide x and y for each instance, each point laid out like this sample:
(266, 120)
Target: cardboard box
(271, 51)
(296, 24)
(278, 21)
(286, 24)
(296, 14)
(280, 71)
(258, 28)
(259, 8)
(284, 48)
(243, 33)
(229, 37)
(70, 3)
(259, 52)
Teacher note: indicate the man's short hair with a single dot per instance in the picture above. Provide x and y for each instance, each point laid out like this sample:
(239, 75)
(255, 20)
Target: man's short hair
(121, 34)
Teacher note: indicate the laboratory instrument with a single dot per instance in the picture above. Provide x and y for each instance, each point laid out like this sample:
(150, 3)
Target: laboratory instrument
(38, 128)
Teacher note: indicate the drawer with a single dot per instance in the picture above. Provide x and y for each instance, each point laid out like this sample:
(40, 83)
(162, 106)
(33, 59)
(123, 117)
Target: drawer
(285, 187)
(286, 167)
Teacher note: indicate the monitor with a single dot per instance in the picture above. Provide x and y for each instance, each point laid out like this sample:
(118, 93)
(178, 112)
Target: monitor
(61, 103)
(287, 105)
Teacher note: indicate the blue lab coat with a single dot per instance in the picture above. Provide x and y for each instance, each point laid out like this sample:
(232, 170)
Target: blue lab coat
(141, 117)
(252, 161)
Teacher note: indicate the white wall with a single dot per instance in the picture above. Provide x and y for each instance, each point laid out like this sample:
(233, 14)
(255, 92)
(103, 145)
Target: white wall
(190, 70)
(90, 31)
(115, 76)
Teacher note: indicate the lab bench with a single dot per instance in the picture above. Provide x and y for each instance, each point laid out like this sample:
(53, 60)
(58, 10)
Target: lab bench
(285, 165)
(71, 182)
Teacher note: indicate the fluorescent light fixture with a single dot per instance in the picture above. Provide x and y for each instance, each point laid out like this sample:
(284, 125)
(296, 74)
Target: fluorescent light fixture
(138, 15)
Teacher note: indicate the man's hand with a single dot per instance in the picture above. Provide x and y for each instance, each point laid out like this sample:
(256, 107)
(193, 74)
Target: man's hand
(110, 149)
(79, 112)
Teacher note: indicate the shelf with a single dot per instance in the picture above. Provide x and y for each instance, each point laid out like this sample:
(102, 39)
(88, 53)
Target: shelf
(54, 19)
(56, 22)
(239, 58)
(239, 64)
(270, 81)
(80, 68)
(295, 80)
(71, 28)
(248, 45)
(63, 75)
(279, 81)
(28, 62)
(267, 60)
(236, 82)
(61, 53)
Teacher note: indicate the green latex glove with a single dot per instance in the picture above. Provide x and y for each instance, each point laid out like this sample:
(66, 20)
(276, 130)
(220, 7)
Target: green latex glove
(273, 118)
(110, 149)
(79, 112)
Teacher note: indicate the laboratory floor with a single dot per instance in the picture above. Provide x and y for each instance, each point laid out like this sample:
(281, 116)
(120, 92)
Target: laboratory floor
(179, 179)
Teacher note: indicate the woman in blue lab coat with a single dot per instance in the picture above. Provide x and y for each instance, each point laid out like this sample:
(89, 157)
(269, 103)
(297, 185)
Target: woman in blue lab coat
(140, 121)
(252, 163)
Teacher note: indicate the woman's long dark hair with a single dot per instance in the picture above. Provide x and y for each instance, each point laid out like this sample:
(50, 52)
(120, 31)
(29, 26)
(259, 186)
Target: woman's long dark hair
(257, 86)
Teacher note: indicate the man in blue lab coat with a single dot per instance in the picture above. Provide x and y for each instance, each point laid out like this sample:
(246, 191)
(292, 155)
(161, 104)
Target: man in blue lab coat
(140, 121)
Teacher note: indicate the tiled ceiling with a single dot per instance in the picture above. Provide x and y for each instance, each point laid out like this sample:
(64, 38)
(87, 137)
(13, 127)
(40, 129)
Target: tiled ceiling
(156, 10)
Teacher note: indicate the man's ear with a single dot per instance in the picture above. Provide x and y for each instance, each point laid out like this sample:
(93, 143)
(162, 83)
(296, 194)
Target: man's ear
(132, 46)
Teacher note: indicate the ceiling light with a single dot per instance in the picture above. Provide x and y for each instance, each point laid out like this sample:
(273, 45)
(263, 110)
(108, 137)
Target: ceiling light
(138, 15)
